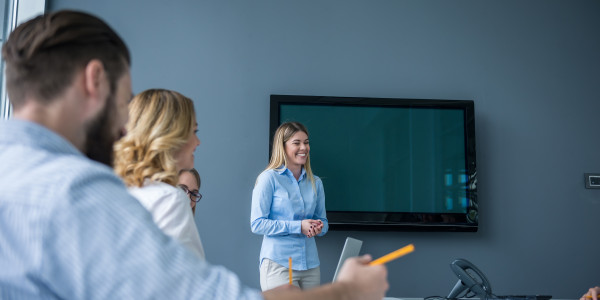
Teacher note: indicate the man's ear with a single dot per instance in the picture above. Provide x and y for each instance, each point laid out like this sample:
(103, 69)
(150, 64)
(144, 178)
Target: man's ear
(96, 86)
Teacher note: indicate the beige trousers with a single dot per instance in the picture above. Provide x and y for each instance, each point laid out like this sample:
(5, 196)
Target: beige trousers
(273, 275)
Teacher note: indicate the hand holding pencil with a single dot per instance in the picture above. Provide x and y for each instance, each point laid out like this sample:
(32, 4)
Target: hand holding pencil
(592, 294)
(365, 281)
(367, 276)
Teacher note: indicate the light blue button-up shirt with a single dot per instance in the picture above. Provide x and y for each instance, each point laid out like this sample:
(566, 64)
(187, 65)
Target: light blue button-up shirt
(70, 230)
(279, 204)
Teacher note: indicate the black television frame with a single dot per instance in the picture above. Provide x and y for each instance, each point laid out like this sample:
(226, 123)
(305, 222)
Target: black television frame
(384, 221)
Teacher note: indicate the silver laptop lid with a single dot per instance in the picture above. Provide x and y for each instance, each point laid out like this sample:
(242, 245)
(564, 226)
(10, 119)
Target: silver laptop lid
(351, 249)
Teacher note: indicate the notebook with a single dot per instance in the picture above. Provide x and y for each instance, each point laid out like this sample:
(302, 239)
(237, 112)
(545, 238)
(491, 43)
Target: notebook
(351, 249)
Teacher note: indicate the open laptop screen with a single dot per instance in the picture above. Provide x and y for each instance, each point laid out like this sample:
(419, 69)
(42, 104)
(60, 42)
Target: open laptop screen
(351, 249)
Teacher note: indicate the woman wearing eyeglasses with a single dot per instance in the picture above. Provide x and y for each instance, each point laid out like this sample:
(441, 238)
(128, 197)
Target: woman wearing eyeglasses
(189, 182)
(160, 141)
(288, 209)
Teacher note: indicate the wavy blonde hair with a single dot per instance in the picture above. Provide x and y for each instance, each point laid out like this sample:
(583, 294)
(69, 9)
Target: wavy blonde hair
(160, 123)
(278, 160)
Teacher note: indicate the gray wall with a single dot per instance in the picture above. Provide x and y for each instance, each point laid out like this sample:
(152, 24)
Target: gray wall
(532, 68)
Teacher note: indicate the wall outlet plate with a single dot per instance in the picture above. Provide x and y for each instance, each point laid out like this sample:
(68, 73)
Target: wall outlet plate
(592, 180)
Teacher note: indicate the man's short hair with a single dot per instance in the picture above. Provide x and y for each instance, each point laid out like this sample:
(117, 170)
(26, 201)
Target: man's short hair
(44, 54)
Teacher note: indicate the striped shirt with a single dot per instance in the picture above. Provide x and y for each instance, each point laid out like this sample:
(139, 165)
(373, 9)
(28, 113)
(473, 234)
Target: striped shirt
(70, 230)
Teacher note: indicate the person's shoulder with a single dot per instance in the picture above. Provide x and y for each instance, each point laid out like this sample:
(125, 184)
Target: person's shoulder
(318, 179)
(49, 167)
(157, 190)
(267, 177)
(77, 169)
(79, 180)
(268, 174)
(161, 198)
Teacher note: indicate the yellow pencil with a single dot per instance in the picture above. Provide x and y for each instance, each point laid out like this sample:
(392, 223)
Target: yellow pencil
(290, 261)
(391, 256)
(590, 297)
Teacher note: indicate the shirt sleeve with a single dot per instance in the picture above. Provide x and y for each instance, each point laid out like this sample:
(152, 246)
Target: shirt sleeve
(175, 218)
(260, 221)
(320, 212)
(100, 243)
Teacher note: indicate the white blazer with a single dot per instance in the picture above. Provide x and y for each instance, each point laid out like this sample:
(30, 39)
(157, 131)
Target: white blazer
(171, 211)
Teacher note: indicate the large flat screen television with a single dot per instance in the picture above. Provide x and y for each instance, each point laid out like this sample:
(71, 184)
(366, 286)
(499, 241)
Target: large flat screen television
(389, 164)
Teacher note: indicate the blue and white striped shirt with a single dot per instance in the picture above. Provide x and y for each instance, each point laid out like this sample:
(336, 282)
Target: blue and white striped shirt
(279, 204)
(70, 230)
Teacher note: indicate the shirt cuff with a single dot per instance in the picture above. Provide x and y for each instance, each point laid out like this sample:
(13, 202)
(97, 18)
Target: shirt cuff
(296, 227)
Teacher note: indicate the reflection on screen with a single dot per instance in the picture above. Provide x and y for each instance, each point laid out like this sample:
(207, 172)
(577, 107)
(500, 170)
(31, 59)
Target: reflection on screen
(375, 159)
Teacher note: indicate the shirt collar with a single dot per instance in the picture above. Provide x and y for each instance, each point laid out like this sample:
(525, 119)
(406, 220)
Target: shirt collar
(284, 169)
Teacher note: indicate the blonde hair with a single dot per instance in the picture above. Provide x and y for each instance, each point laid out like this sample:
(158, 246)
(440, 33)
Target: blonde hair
(160, 123)
(278, 160)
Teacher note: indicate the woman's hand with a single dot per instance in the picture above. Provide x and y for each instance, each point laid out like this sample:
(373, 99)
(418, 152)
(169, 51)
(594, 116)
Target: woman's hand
(318, 226)
(310, 227)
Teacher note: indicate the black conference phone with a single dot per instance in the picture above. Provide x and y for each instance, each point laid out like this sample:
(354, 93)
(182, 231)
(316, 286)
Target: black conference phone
(472, 282)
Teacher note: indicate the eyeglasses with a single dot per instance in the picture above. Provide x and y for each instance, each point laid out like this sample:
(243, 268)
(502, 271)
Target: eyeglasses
(194, 195)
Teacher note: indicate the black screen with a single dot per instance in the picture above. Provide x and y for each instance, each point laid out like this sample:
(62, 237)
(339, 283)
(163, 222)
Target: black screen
(390, 161)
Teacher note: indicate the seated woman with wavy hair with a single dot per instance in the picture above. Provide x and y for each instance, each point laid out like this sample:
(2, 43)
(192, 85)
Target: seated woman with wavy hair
(160, 141)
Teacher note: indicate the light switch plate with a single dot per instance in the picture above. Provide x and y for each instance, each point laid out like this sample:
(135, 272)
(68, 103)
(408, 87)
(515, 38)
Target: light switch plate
(592, 180)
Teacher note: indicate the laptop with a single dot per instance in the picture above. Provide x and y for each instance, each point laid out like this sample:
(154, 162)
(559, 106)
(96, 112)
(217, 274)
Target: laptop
(351, 249)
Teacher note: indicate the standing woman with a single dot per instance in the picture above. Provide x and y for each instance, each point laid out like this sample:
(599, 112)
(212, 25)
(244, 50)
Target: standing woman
(160, 141)
(288, 209)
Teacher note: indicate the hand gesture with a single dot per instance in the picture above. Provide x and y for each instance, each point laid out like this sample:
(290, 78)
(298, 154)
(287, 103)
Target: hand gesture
(310, 227)
(318, 226)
